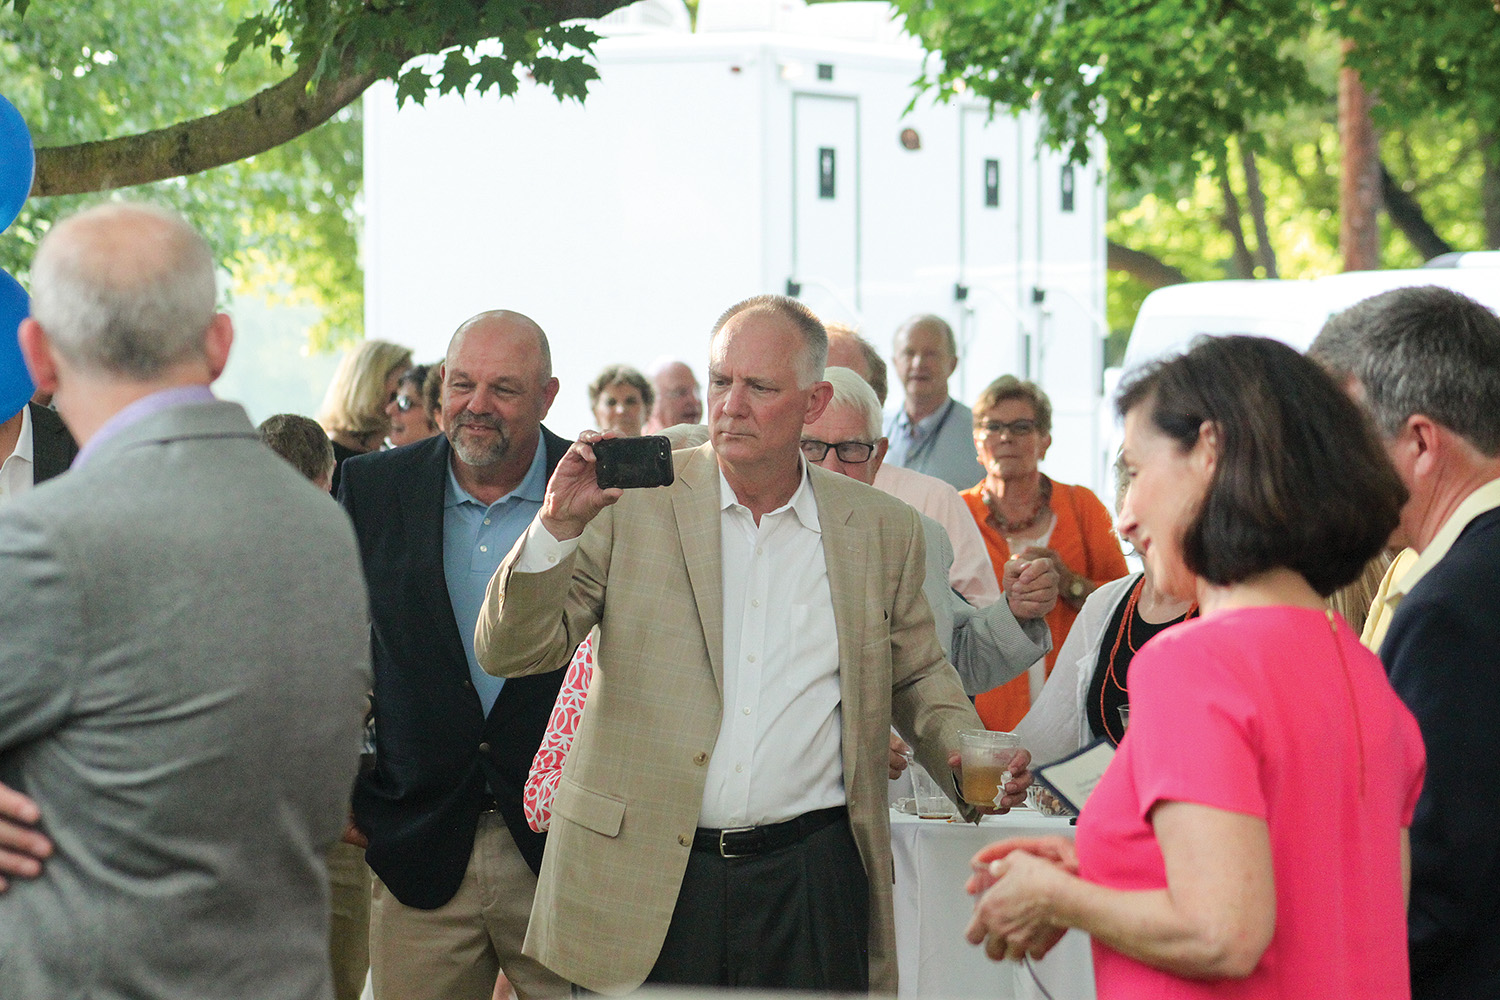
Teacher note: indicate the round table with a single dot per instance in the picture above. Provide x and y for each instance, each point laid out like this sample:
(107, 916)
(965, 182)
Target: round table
(932, 910)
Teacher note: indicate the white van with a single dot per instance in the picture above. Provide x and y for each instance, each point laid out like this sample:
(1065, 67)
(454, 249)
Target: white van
(1287, 310)
(1290, 311)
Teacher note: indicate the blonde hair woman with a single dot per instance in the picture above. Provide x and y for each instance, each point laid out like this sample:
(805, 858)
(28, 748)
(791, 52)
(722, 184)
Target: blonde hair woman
(353, 410)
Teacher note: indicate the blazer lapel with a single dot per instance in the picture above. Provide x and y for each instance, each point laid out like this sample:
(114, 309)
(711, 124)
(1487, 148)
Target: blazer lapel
(846, 552)
(422, 512)
(696, 508)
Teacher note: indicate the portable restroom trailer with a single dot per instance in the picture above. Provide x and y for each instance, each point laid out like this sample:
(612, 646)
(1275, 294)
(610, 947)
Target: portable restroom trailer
(770, 150)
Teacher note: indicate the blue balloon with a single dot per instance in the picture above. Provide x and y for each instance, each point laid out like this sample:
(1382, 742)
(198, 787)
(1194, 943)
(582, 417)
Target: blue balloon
(15, 381)
(17, 162)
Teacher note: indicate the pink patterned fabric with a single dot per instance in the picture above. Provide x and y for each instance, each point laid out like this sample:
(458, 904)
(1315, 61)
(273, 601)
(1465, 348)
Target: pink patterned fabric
(546, 767)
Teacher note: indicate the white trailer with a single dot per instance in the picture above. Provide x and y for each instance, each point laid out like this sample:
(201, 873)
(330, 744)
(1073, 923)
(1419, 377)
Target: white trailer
(769, 150)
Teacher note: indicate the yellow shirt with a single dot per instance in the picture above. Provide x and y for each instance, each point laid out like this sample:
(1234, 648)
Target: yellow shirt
(1405, 572)
(1381, 609)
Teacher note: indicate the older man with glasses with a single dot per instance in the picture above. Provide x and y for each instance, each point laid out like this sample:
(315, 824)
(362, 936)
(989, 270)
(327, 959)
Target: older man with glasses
(988, 647)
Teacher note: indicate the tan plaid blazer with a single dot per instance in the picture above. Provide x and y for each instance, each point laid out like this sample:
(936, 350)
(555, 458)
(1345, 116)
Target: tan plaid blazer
(647, 571)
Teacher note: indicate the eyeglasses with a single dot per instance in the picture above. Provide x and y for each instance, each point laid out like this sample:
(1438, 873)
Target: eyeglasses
(1015, 428)
(404, 402)
(852, 452)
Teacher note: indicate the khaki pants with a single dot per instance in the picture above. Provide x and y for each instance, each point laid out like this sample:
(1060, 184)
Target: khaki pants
(349, 928)
(456, 951)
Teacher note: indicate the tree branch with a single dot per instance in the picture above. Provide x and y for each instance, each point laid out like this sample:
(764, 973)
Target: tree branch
(1142, 266)
(1406, 212)
(276, 115)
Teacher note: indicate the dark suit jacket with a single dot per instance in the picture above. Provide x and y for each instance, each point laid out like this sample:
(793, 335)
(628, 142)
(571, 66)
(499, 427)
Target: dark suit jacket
(1443, 655)
(52, 447)
(434, 749)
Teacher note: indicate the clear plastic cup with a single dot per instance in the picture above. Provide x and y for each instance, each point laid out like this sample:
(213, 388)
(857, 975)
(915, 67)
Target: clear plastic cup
(987, 756)
(931, 802)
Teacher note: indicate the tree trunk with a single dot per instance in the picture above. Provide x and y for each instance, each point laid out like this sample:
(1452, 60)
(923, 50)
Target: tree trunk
(1142, 266)
(1406, 212)
(1265, 253)
(1359, 185)
(1243, 262)
(1489, 189)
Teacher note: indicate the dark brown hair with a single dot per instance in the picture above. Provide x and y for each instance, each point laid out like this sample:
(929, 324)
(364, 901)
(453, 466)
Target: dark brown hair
(301, 441)
(624, 375)
(1300, 480)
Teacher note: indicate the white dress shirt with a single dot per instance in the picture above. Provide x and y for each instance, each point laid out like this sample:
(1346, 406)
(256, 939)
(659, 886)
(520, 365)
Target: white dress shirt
(17, 472)
(778, 753)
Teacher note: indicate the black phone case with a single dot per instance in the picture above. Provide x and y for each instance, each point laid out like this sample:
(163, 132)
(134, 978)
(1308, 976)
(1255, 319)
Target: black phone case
(633, 463)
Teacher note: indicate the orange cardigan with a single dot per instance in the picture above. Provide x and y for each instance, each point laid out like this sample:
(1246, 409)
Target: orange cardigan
(1085, 539)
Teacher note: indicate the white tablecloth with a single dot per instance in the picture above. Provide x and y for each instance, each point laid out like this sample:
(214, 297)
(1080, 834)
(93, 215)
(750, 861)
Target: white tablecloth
(932, 910)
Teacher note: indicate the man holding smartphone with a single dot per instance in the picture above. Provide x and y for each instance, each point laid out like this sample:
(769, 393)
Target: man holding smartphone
(722, 820)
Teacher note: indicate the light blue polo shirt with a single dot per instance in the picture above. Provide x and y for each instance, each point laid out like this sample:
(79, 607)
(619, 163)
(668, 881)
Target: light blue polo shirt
(476, 539)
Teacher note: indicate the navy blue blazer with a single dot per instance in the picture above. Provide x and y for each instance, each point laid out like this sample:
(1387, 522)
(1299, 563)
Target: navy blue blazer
(1443, 655)
(52, 447)
(435, 751)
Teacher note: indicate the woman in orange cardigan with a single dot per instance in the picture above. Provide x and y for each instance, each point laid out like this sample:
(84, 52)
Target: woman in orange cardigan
(1021, 511)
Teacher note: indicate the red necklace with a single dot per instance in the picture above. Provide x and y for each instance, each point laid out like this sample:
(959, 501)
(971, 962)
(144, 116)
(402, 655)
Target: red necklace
(1124, 635)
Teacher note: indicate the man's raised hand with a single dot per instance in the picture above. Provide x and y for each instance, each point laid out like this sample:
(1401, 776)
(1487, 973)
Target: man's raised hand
(573, 495)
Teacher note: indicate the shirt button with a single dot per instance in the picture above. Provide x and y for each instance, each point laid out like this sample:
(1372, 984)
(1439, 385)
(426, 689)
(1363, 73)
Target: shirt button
(484, 548)
(701, 758)
(747, 709)
(754, 603)
(739, 768)
(486, 520)
(751, 657)
(484, 748)
(684, 840)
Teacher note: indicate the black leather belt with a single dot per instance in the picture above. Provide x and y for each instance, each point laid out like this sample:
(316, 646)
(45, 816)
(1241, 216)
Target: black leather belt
(747, 841)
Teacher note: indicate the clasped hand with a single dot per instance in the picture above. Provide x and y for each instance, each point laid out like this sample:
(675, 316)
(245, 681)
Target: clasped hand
(1030, 586)
(1014, 882)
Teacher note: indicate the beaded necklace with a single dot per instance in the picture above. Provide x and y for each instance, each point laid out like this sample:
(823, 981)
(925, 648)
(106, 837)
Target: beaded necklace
(1124, 635)
(1009, 528)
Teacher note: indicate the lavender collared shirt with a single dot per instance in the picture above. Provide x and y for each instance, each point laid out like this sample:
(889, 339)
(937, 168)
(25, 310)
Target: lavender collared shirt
(139, 410)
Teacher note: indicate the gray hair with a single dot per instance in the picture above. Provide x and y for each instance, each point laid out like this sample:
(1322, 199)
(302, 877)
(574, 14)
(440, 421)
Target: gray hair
(814, 336)
(1424, 350)
(852, 392)
(125, 289)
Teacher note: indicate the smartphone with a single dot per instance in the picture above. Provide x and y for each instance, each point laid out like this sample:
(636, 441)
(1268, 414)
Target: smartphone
(633, 462)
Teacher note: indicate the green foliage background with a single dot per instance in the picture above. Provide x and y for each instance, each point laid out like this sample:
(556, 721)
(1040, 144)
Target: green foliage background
(285, 223)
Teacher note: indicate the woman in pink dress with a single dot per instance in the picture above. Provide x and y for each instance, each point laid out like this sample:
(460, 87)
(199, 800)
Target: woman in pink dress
(1249, 839)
